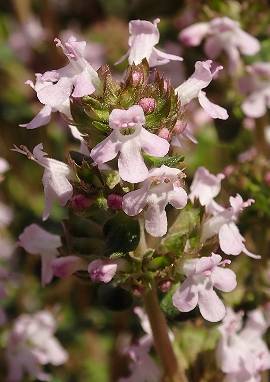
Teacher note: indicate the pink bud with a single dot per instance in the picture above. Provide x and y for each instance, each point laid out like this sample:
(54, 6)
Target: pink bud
(138, 290)
(80, 202)
(228, 170)
(164, 133)
(102, 270)
(137, 77)
(115, 201)
(164, 286)
(267, 178)
(148, 104)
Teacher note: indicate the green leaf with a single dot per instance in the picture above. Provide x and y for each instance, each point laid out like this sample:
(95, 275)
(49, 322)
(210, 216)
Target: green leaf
(170, 161)
(167, 305)
(158, 263)
(122, 233)
(103, 127)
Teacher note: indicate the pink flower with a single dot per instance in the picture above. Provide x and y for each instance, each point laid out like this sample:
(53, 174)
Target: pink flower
(4, 166)
(192, 88)
(242, 353)
(144, 35)
(182, 132)
(203, 275)
(55, 177)
(248, 155)
(142, 367)
(205, 186)
(256, 85)
(6, 215)
(223, 223)
(36, 241)
(129, 138)
(54, 88)
(26, 37)
(102, 270)
(80, 137)
(221, 34)
(31, 344)
(65, 266)
(162, 187)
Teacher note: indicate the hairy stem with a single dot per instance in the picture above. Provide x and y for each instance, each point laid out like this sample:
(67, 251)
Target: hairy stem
(172, 369)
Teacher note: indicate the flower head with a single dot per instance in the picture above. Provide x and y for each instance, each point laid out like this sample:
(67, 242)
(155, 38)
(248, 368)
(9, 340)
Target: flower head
(31, 344)
(54, 88)
(241, 352)
(203, 275)
(162, 187)
(256, 86)
(192, 88)
(129, 138)
(55, 177)
(223, 223)
(205, 186)
(102, 270)
(36, 241)
(144, 35)
(221, 34)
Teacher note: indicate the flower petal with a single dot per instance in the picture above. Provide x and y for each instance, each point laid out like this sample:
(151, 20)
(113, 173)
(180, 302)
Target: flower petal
(194, 34)
(215, 111)
(211, 307)
(105, 150)
(223, 279)
(247, 44)
(153, 145)
(185, 298)
(41, 119)
(178, 197)
(83, 85)
(134, 202)
(255, 105)
(213, 47)
(130, 162)
(230, 239)
(55, 94)
(156, 220)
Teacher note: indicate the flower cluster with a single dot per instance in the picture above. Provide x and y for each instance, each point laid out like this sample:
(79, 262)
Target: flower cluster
(242, 353)
(31, 345)
(127, 183)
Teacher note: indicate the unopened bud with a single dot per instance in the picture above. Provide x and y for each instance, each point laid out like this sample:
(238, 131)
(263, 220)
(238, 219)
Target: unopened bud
(267, 178)
(80, 202)
(137, 78)
(164, 286)
(115, 201)
(164, 133)
(148, 105)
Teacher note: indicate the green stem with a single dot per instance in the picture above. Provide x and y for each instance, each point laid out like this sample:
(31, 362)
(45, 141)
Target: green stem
(172, 370)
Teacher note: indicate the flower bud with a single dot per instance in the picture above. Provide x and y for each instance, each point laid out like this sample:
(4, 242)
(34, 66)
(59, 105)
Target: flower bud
(267, 178)
(115, 201)
(137, 78)
(164, 133)
(164, 286)
(80, 202)
(148, 105)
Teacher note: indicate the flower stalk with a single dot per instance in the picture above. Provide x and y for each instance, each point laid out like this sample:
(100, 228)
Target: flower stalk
(172, 369)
